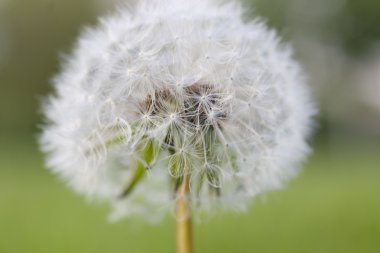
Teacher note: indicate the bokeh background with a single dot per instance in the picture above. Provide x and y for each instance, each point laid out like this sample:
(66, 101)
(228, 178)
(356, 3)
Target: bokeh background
(333, 206)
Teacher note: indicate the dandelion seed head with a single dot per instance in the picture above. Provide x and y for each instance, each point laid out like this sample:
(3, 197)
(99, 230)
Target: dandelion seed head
(177, 87)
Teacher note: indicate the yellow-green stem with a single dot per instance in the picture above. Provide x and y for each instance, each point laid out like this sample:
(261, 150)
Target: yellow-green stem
(183, 217)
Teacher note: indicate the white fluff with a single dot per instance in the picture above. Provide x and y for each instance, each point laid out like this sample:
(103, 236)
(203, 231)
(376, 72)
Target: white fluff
(138, 76)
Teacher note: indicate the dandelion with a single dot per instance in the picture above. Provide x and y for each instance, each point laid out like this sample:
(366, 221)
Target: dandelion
(177, 103)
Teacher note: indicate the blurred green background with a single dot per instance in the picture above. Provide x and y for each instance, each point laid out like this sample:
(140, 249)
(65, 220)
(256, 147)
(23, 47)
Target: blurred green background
(333, 206)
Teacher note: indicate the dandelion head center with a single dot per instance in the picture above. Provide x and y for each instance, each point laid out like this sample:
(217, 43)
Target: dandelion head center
(192, 107)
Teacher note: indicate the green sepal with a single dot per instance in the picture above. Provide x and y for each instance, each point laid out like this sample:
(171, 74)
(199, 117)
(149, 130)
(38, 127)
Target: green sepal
(147, 155)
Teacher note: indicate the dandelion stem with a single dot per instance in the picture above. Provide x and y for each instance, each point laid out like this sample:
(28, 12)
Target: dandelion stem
(183, 217)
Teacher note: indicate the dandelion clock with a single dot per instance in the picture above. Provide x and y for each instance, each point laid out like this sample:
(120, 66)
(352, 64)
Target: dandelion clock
(177, 105)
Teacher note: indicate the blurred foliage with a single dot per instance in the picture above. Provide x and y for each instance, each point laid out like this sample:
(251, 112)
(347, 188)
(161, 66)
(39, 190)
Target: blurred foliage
(37, 31)
(350, 22)
(360, 24)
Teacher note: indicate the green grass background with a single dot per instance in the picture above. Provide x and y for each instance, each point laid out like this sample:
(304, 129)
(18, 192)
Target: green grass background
(333, 206)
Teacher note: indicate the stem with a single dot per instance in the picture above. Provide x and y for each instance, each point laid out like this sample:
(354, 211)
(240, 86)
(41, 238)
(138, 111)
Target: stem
(183, 217)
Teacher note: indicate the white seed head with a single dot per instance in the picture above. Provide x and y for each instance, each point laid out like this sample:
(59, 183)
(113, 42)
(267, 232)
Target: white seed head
(172, 88)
